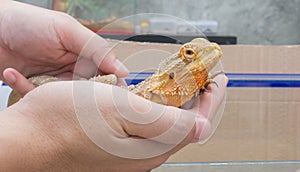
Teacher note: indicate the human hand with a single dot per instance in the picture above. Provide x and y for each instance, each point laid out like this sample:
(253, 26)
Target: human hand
(75, 129)
(37, 41)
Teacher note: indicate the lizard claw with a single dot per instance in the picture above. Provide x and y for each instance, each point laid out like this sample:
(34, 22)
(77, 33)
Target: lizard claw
(210, 80)
(201, 91)
(204, 89)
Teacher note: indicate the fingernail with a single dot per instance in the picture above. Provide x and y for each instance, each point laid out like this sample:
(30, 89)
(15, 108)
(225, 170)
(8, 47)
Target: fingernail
(122, 71)
(10, 78)
(203, 129)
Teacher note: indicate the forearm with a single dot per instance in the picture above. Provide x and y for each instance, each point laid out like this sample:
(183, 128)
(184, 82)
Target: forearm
(12, 151)
(22, 148)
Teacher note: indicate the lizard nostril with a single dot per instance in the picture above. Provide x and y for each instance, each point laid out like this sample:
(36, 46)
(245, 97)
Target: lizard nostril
(172, 75)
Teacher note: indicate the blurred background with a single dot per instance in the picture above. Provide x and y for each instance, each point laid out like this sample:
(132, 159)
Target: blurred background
(260, 128)
(268, 22)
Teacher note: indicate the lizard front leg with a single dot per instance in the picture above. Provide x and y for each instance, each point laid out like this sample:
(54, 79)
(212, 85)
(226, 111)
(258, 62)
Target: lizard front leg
(107, 79)
(210, 80)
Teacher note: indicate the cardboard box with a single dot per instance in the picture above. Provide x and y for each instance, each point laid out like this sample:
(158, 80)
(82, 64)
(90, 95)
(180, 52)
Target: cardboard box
(259, 123)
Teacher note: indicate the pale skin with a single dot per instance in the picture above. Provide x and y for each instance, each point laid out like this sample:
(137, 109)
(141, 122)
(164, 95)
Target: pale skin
(39, 134)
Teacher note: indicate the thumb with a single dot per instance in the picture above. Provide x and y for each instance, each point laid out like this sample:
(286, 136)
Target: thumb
(150, 129)
(169, 125)
(145, 119)
(17, 81)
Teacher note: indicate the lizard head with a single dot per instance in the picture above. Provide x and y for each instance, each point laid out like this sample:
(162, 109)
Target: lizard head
(198, 51)
(181, 75)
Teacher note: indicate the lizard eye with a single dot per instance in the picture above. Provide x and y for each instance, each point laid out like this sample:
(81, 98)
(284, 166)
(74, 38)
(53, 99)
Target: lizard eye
(188, 53)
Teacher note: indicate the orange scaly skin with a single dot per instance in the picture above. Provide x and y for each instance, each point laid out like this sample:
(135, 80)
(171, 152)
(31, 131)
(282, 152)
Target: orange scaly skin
(177, 79)
(181, 76)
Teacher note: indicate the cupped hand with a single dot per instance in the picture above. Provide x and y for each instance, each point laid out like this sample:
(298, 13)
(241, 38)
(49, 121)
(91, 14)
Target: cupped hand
(84, 125)
(37, 41)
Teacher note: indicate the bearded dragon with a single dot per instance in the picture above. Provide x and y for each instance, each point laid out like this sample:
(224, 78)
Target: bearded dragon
(178, 78)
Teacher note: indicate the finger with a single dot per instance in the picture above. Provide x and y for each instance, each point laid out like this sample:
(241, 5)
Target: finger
(85, 68)
(145, 119)
(103, 57)
(17, 81)
(200, 134)
(208, 103)
(121, 82)
(85, 43)
(123, 118)
(66, 76)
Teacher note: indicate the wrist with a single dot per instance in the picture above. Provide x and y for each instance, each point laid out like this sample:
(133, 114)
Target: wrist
(23, 146)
